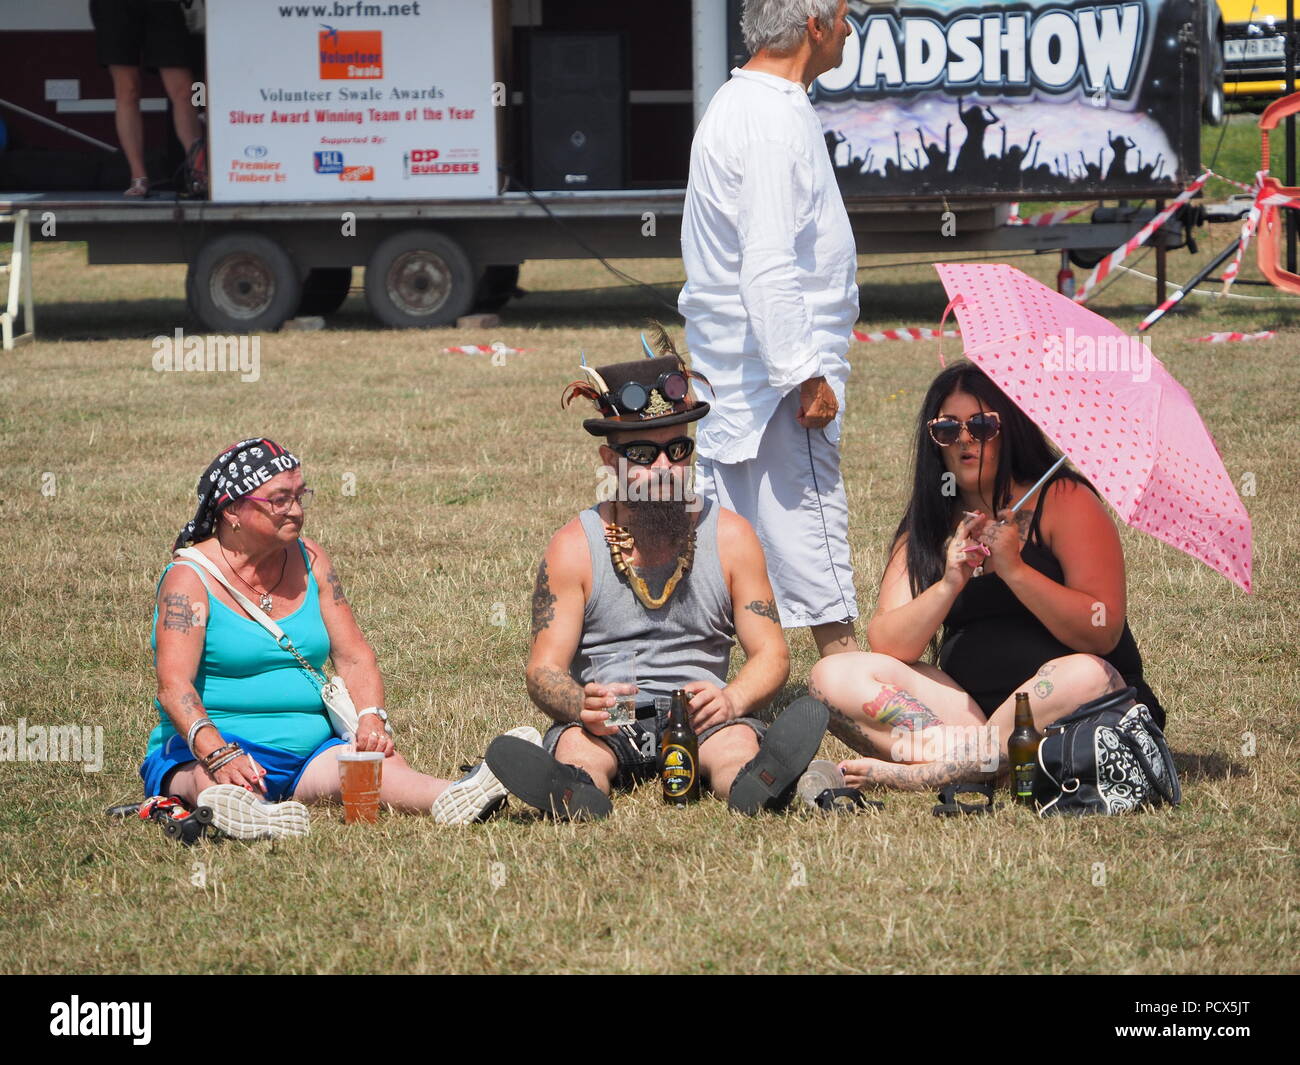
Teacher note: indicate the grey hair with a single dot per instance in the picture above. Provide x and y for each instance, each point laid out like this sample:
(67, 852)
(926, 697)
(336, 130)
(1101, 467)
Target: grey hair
(779, 25)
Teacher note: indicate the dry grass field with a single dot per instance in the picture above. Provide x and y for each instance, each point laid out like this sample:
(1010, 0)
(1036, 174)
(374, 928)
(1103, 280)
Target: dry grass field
(462, 470)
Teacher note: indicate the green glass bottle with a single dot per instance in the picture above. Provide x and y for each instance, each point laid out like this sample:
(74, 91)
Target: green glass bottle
(1022, 752)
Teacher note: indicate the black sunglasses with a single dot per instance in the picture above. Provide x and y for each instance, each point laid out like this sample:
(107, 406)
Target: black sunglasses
(645, 452)
(633, 397)
(983, 427)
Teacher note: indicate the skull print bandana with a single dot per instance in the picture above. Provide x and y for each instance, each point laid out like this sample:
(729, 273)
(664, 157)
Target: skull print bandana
(239, 470)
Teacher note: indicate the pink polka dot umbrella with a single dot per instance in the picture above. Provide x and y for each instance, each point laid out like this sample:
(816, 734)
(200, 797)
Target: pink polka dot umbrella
(1107, 403)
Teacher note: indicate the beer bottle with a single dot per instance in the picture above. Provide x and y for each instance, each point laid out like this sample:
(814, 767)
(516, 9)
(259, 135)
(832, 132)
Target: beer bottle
(679, 754)
(1022, 752)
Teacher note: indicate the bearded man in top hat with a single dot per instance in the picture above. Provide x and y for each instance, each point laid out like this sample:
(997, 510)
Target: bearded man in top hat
(675, 578)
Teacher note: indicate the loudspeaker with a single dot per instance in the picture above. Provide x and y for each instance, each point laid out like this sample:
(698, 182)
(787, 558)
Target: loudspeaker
(576, 97)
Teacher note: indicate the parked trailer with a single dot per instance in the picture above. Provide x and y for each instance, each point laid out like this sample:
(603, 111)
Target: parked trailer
(314, 171)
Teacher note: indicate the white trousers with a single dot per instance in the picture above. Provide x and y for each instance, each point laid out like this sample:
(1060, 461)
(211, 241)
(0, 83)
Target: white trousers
(792, 494)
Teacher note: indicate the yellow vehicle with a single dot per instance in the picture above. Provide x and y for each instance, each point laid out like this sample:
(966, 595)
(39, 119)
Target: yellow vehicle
(1254, 47)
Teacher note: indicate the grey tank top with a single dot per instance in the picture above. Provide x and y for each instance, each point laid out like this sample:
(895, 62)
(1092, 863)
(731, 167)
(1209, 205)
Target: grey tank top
(688, 638)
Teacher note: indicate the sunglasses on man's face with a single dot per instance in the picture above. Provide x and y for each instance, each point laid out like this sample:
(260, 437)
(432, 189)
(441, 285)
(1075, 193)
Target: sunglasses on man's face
(945, 430)
(645, 452)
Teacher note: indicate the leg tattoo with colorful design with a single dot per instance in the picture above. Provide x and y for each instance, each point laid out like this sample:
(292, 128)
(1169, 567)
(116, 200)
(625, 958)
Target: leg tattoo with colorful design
(897, 709)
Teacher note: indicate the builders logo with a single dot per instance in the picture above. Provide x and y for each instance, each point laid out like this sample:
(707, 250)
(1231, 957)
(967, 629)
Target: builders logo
(351, 54)
(327, 162)
(427, 161)
(357, 173)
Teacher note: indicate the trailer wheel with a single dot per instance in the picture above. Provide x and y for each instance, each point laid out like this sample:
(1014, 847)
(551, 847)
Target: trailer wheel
(324, 289)
(1086, 258)
(419, 279)
(497, 286)
(243, 283)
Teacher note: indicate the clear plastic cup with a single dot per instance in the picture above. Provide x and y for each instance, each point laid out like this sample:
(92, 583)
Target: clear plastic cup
(360, 773)
(618, 671)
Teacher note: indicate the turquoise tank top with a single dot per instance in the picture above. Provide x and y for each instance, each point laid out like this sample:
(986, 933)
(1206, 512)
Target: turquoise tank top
(249, 685)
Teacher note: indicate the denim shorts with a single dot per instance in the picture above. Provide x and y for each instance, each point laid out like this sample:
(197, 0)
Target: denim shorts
(637, 746)
(283, 768)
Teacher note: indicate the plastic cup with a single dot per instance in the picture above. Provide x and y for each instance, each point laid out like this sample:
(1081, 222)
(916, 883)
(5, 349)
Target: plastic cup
(618, 671)
(359, 775)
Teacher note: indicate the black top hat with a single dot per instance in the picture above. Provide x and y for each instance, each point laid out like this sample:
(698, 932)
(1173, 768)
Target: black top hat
(647, 393)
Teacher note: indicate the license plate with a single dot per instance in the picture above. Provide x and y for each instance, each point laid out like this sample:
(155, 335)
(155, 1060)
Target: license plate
(1254, 48)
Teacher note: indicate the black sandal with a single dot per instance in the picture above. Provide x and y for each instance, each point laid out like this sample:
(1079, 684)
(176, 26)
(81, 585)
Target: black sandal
(845, 801)
(950, 806)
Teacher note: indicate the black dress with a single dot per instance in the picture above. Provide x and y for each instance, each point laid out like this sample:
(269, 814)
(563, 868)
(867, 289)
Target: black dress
(992, 643)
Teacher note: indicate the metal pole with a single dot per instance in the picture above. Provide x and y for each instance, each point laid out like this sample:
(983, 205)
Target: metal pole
(1185, 291)
(1289, 52)
(61, 127)
(1162, 257)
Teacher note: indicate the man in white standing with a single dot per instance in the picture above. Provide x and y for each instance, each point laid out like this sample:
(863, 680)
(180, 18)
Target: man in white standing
(770, 300)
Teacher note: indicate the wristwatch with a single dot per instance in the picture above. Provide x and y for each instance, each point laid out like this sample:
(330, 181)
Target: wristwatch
(379, 712)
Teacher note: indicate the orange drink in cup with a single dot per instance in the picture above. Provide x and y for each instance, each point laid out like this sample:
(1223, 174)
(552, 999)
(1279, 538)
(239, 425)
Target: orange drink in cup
(359, 775)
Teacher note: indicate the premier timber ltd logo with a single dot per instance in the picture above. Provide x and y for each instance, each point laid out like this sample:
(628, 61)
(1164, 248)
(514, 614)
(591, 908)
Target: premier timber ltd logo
(349, 55)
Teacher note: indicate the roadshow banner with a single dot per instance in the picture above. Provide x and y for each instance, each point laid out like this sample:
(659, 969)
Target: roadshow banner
(345, 101)
(1060, 99)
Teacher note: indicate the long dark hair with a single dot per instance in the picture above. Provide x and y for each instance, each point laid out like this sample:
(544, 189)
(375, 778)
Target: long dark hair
(1024, 456)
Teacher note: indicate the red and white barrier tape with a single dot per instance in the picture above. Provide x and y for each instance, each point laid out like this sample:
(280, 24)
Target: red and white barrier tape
(1239, 184)
(1136, 241)
(483, 349)
(1220, 338)
(904, 334)
(1047, 218)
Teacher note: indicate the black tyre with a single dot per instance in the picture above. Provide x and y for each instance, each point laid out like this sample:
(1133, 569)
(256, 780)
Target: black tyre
(419, 279)
(497, 286)
(172, 829)
(1087, 258)
(1212, 100)
(203, 815)
(243, 283)
(324, 290)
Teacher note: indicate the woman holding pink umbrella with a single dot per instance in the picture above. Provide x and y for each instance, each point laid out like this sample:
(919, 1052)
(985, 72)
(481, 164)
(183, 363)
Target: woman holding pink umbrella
(1032, 601)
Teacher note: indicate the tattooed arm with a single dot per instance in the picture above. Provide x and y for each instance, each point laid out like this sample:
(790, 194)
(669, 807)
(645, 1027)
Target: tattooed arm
(180, 634)
(559, 600)
(352, 655)
(755, 615)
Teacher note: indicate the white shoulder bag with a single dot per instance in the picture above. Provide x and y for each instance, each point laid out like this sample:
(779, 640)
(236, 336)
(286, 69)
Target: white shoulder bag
(334, 692)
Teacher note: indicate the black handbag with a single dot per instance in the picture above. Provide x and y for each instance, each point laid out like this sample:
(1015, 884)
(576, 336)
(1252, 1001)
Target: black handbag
(1107, 757)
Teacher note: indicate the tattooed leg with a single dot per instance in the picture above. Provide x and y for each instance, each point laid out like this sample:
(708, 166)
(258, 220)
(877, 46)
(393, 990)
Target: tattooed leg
(876, 773)
(1058, 687)
(1115, 681)
(895, 708)
(846, 729)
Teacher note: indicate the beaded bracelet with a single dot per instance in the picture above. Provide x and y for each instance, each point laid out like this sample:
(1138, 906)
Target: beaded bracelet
(212, 756)
(228, 758)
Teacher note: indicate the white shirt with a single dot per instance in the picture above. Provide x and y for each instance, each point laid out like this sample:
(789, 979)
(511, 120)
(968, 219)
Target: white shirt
(771, 289)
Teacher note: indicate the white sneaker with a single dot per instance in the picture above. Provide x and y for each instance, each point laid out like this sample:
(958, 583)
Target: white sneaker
(238, 813)
(478, 794)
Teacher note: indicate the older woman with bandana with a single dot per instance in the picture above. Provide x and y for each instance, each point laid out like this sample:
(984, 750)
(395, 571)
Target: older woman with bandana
(237, 710)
